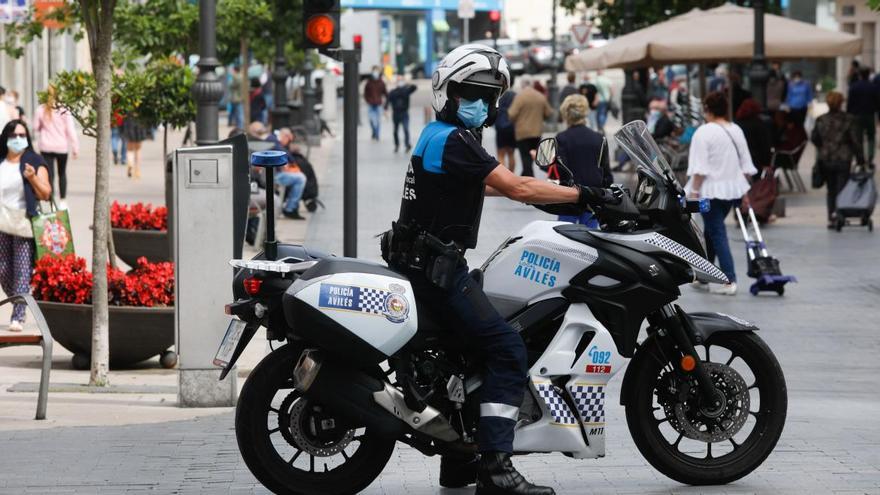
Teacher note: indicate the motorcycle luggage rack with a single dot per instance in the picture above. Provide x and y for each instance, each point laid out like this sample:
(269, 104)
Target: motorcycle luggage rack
(269, 160)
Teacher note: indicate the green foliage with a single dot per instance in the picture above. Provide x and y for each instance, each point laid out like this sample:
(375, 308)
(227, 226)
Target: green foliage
(168, 97)
(158, 28)
(75, 92)
(19, 34)
(238, 20)
(874, 4)
(647, 12)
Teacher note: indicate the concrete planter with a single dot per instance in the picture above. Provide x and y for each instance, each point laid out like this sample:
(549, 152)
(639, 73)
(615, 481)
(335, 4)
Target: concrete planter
(136, 333)
(132, 244)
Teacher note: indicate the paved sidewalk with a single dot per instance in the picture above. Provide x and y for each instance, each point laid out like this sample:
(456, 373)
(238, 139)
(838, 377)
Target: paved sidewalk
(824, 332)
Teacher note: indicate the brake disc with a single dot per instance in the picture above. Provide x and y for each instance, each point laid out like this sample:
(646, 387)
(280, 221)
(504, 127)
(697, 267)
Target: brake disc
(300, 419)
(718, 422)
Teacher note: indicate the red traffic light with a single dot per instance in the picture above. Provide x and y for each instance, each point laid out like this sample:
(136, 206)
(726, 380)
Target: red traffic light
(320, 29)
(494, 15)
(358, 41)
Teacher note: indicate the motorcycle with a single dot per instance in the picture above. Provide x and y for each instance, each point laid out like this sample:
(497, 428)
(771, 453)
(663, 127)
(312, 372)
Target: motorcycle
(366, 366)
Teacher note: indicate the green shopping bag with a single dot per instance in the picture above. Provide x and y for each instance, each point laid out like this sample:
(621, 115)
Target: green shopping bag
(52, 234)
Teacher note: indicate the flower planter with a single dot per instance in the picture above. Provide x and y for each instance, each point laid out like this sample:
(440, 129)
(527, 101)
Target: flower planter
(136, 333)
(132, 244)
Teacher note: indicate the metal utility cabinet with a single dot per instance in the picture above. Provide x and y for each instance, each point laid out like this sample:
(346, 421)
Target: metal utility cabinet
(203, 244)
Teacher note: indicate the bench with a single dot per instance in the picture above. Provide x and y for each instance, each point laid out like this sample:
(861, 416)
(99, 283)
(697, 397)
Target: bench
(44, 340)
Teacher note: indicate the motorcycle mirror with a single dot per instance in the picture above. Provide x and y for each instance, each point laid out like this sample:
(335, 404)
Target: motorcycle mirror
(546, 153)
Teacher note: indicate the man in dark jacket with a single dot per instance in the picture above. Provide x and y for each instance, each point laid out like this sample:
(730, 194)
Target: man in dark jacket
(398, 100)
(374, 93)
(862, 102)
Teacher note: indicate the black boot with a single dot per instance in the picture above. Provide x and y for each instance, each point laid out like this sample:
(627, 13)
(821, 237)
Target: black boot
(456, 472)
(497, 476)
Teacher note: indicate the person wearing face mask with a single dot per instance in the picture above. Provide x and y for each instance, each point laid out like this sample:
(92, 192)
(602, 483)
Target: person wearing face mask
(374, 94)
(398, 100)
(24, 179)
(449, 175)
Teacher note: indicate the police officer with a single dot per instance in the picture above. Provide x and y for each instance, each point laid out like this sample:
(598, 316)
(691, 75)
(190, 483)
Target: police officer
(448, 176)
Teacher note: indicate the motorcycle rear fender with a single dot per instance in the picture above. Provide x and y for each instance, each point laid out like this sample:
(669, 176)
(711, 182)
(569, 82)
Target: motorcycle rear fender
(702, 326)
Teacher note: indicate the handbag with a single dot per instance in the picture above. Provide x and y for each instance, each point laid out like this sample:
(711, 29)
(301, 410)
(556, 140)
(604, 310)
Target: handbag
(51, 231)
(14, 221)
(817, 178)
(762, 195)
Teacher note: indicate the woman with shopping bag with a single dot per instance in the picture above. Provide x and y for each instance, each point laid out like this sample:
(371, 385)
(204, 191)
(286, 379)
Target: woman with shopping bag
(24, 180)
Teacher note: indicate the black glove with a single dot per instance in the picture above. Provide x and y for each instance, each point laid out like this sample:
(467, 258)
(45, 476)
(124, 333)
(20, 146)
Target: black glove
(596, 196)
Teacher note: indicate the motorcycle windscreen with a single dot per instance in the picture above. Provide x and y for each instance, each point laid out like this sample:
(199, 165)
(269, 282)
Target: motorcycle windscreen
(639, 145)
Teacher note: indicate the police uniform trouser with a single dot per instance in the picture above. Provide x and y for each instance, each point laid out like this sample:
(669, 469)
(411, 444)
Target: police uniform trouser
(468, 312)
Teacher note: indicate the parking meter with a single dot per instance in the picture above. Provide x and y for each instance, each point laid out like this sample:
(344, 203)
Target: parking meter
(202, 225)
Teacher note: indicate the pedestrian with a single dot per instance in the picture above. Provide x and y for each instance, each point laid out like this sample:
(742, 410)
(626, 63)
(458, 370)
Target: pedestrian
(852, 75)
(117, 140)
(234, 118)
(799, 97)
(12, 102)
(290, 177)
(719, 165)
(777, 87)
(659, 90)
(505, 138)
(256, 100)
(374, 94)
(591, 93)
(759, 135)
(739, 93)
(57, 137)
(527, 112)
(837, 139)
(659, 124)
(135, 134)
(862, 104)
(584, 151)
(605, 101)
(568, 89)
(398, 100)
(268, 96)
(24, 179)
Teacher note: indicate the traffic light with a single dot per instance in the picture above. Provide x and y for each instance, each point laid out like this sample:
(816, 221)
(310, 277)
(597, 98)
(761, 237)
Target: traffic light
(321, 24)
(495, 23)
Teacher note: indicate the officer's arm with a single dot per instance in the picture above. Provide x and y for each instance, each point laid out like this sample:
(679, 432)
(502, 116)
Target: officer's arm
(503, 182)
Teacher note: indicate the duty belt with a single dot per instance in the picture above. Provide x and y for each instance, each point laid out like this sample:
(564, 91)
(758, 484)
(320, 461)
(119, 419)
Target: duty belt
(408, 247)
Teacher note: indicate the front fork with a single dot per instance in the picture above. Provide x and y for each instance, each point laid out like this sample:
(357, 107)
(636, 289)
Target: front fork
(684, 338)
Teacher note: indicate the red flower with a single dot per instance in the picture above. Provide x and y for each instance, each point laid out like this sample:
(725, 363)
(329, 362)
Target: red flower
(138, 216)
(66, 279)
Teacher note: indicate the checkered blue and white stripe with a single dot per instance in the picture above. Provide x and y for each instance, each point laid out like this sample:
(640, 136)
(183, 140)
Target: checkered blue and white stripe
(590, 400)
(557, 407)
(372, 300)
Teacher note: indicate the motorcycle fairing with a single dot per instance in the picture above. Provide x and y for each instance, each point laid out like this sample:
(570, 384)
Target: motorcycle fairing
(357, 308)
(568, 383)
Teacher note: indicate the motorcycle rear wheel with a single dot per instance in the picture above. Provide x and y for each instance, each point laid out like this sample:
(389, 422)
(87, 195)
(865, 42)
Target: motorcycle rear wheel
(286, 457)
(684, 461)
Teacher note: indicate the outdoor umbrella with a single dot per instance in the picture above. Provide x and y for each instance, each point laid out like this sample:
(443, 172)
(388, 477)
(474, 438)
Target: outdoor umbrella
(724, 33)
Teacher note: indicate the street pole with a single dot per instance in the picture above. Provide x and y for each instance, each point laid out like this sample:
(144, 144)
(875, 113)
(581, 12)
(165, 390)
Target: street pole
(280, 112)
(758, 73)
(629, 99)
(351, 60)
(313, 128)
(207, 89)
(467, 31)
(551, 87)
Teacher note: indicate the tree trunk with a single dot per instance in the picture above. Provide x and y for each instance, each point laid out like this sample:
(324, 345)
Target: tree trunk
(98, 19)
(245, 83)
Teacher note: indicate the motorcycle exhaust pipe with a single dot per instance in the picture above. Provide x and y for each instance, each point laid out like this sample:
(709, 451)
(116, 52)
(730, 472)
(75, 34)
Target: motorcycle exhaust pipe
(364, 400)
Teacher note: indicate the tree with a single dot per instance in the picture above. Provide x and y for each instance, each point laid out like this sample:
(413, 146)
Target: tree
(647, 12)
(238, 22)
(158, 28)
(167, 97)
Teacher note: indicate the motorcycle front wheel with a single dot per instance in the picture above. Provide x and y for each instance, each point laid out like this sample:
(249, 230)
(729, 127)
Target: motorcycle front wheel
(294, 446)
(715, 443)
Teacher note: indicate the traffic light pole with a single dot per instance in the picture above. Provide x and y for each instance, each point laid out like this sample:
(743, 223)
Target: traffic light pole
(350, 60)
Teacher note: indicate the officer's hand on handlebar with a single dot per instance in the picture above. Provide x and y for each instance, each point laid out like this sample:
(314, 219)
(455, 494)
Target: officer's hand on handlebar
(596, 196)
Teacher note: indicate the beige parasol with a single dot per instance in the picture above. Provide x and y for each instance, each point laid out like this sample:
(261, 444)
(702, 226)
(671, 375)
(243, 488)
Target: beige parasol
(724, 33)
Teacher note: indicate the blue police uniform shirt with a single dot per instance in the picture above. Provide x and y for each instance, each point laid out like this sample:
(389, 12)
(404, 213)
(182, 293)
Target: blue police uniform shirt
(444, 187)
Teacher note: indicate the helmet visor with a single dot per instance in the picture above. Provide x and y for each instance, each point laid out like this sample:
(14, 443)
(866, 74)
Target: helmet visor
(474, 92)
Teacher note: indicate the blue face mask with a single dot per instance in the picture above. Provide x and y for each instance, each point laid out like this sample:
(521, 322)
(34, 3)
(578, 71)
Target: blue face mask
(17, 144)
(472, 113)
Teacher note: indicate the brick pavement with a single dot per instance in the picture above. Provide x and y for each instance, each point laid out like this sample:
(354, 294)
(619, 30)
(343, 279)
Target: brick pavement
(824, 332)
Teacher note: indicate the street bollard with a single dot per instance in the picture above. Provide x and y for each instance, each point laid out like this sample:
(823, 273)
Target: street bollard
(203, 246)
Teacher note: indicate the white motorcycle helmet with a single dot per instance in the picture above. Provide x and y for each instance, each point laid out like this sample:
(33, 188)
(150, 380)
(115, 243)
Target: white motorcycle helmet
(471, 72)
